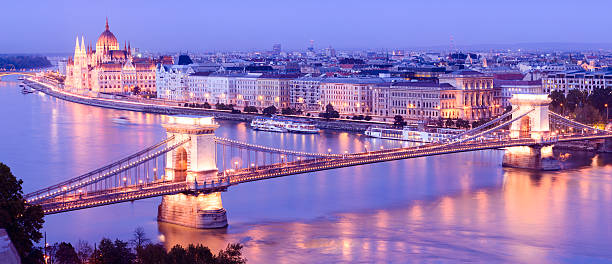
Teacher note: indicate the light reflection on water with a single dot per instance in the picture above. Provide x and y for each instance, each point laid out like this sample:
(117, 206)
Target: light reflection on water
(449, 208)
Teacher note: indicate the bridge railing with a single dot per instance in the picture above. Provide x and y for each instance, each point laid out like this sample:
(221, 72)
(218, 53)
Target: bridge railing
(101, 176)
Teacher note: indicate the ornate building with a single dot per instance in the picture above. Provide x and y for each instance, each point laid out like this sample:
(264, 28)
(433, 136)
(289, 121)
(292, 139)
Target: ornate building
(107, 68)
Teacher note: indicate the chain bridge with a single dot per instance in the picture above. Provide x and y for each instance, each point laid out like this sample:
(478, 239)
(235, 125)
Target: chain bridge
(183, 167)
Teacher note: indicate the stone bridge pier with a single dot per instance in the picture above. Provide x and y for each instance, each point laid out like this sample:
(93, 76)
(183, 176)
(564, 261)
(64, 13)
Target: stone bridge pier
(194, 163)
(534, 124)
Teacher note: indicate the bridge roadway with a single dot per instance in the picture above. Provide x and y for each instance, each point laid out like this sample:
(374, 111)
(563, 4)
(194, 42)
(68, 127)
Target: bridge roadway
(135, 192)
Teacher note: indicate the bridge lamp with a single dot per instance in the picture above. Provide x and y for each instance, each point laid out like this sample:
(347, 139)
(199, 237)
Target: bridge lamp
(236, 164)
(328, 150)
(382, 147)
(140, 181)
(345, 152)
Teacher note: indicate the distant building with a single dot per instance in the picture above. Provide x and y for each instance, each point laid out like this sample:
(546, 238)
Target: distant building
(475, 94)
(184, 59)
(509, 87)
(416, 100)
(107, 68)
(348, 96)
(171, 82)
(305, 93)
(276, 49)
(580, 80)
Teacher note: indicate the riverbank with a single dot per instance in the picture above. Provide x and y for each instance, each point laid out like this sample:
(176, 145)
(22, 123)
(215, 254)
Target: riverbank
(150, 107)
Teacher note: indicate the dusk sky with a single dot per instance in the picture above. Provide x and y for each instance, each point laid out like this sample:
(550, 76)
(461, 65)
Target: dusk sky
(51, 26)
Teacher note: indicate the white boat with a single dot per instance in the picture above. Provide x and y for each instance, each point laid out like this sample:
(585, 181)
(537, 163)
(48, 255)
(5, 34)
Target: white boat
(411, 133)
(282, 125)
(121, 120)
(268, 124)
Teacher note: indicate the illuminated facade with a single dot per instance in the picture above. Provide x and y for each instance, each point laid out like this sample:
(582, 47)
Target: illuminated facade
(107, 68)
(475, 96)
(580, 80)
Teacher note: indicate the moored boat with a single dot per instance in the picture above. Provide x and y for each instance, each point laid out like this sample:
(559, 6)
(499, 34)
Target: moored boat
(282, 125)
(412, 133)
(121, 120)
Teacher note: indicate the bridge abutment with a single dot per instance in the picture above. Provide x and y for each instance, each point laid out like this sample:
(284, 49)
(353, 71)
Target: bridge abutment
(535, 157)
(195, 164)
(193, 210)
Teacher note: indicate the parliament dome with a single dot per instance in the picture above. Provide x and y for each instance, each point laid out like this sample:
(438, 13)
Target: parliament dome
(107, 40)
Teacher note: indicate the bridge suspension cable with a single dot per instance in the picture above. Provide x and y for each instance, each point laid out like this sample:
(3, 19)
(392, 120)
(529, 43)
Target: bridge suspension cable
(491, 129)
(485, 125)
(243, 145)
(571, 123)
(102, 173)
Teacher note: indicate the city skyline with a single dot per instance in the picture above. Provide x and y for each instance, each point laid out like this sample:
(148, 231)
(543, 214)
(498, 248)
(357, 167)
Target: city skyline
(197, 27)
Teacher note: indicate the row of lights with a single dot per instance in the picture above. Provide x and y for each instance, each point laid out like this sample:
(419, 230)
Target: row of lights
(184, 188)
(133, 164)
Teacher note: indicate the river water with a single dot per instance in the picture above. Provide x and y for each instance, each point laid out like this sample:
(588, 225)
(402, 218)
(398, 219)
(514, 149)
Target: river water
(450, 208)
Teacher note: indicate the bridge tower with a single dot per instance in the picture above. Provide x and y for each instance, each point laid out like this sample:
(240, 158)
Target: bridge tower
(193, 163)
(534, 124)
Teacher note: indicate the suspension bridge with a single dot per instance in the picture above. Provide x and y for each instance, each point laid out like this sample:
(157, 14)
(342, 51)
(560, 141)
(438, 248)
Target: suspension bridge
(183, 167)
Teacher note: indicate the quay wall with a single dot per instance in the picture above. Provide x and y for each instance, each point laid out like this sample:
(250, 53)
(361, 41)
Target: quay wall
(334, 124)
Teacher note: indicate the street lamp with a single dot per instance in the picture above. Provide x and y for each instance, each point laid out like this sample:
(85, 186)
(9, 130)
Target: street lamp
(236, 164)
(606, 105)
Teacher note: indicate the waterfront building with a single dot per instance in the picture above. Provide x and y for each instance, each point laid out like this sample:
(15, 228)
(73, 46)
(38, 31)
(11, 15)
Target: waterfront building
(475, 95)
(171, 82)
(348, 96)
(416, 100)
(273, 90)
(108, 69)
(305, 93)
(506, 88)
(581, 80)
(246, 90)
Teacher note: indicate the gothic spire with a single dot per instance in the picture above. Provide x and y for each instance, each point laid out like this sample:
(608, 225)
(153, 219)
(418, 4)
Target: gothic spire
(106, 23)
(76, 46)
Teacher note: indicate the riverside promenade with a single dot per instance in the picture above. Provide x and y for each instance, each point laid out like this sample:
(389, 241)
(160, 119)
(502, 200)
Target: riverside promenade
(150, 106)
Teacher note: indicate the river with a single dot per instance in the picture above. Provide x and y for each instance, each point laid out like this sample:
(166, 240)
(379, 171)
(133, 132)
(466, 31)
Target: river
(451, 208)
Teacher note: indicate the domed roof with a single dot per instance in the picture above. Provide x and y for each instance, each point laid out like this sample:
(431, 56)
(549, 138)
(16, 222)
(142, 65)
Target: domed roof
(107, 39)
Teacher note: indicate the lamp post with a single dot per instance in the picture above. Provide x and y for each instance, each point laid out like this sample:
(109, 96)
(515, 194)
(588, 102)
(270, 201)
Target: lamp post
(606, 105)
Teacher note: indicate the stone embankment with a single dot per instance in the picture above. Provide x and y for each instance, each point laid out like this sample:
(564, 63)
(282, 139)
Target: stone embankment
(155, 108)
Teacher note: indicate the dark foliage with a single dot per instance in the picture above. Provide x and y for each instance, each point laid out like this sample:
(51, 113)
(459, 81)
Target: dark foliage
(23, 62)
(21, 221)
(250, 109)
(270, 110)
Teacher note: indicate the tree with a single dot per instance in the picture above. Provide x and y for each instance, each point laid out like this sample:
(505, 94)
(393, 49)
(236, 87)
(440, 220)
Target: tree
(66, 254)
(178, 255)
(449, 123)
(288, 111)
(460, 123)
(575, 98)
(250, 109)
(398, 121)
(21, 221)
(270, 110)
(112, 253)
(136, 90)
(599, 97)
(588, 115)
(231, 254)
(139, 238)
(330, 112)
(206, 105)
(83, 250)
(200, 254)
(152, 254)
(367, 118)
